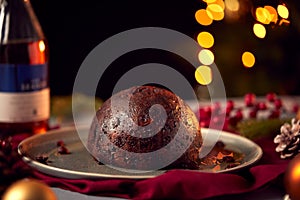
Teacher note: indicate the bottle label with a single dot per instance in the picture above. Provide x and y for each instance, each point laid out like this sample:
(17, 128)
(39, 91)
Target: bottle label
(24, 107)
(23, 78)
(24, 93)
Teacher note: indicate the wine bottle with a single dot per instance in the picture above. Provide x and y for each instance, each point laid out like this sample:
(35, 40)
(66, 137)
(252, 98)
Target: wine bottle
(24, 73)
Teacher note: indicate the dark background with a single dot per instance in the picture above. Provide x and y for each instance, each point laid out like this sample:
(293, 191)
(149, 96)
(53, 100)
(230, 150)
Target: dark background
(74, 28)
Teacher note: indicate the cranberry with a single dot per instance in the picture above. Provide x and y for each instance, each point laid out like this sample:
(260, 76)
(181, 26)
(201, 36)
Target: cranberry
(63, 150)
(227, 124)
(229, 105)
(261, 106)
(253, 113)
(249, 99)
(216, 120)
(204, 124)
(271, 96)
(60, 143)
(278, 103)
(216, 107)
(205, 112)
(295, 108)
(239, 114)
(233, 121)
(274, 114)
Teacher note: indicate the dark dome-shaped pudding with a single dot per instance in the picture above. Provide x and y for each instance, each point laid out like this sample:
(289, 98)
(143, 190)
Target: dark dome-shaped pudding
(145, 128)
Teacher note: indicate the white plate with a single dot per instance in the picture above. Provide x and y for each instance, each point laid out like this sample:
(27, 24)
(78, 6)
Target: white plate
(81, 165)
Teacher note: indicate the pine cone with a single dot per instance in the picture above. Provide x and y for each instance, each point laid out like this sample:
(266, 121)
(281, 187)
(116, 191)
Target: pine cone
(289, 139)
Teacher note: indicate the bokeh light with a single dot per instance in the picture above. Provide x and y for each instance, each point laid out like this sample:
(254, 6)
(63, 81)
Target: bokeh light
(273, 14)
(220, 3)
(259, 30)
(209, 1)
(205, 39)
(203, 18)
(206, 57)
(283, 11)
(263, 15)
(232, 5)
(216, 11)
(284, 21)
(248, 59)
(203, 75)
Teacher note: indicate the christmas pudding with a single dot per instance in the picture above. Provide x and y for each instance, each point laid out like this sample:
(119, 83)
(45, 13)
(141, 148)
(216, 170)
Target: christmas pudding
(142, 128)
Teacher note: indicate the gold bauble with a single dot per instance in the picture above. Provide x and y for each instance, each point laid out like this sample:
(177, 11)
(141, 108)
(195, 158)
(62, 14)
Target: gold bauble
(292, 178)
(29, 189)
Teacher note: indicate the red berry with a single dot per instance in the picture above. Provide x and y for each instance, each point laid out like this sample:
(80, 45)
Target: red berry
(295, 108)
(207, 110)
(63, 150)
(228, 111)
(204, 124)
(204, 113)
(249, 99)
(261, 106)
(278, 103)
(216, 107)
(60, 143)
(227, 124)
(239, 115)
(271, 97)
(233, 121)
(253, 113)
(230, 105)
(274, 114)
(215, 120)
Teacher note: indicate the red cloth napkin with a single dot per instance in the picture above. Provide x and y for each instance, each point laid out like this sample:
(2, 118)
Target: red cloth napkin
(183, 184)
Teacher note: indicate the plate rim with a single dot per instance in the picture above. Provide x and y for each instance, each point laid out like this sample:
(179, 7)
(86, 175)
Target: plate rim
(72, 174)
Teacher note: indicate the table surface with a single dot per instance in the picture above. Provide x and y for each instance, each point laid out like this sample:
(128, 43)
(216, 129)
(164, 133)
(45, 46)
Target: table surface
(270, 192)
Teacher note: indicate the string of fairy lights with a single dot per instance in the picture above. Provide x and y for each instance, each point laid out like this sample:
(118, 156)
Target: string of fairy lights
(217, 10)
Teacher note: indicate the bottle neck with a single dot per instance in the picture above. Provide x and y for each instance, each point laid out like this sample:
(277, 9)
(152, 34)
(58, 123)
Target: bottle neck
(18, 22)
